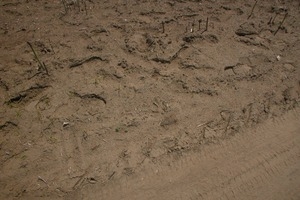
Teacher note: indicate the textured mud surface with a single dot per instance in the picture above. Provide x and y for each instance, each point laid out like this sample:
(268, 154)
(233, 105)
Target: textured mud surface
(261, 164)
(113, 89)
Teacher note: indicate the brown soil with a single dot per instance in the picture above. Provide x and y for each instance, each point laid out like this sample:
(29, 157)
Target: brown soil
(121, 90)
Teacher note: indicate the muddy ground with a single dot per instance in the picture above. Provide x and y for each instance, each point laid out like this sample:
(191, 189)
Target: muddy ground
(95, 91)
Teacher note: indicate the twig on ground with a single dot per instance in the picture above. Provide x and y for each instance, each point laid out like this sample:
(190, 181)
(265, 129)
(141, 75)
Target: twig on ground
(249, 113)
(228, 123)
(206, 26)
(270, 21)
(280, 25)
(204, 124)
(170, 59)
(45, 68)
(110, 177)
(42, 65)
(80, 62)
(252, 10)
(177, 53)
(43, 180)
(199, 24)
(89, 96)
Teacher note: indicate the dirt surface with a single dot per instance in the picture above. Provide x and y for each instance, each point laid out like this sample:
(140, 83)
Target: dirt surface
(261, 164)
(98, 97)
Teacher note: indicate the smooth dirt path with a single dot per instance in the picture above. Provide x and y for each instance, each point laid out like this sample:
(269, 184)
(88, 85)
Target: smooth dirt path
(261, 164)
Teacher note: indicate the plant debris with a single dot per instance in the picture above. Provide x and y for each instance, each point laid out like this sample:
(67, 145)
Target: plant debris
(89, 96)
(84, 60)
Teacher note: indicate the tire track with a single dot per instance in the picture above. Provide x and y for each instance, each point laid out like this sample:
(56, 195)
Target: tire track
(258, 164)
(256, 175)
(72, 160)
